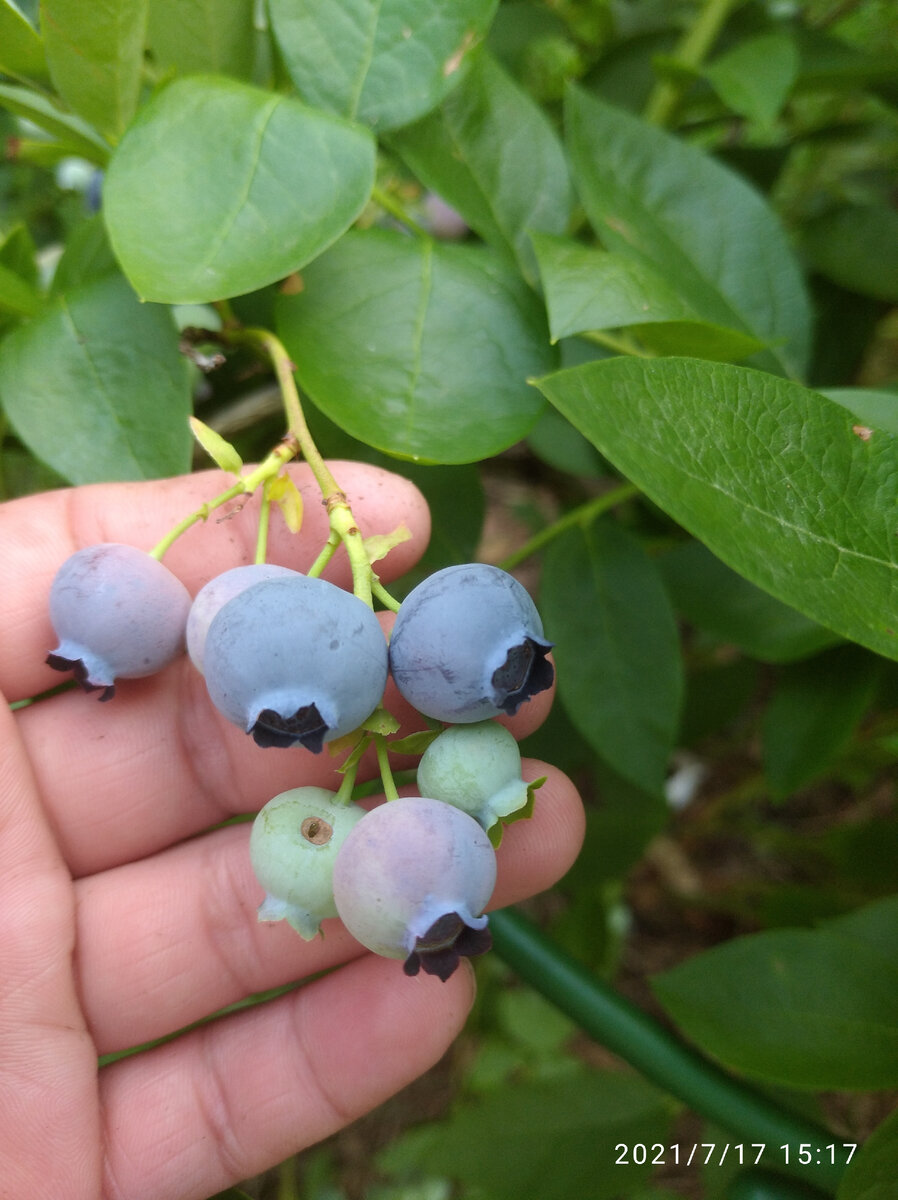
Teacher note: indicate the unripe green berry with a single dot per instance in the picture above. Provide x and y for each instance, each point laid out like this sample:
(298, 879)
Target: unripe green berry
(476, 768)
(292, 847)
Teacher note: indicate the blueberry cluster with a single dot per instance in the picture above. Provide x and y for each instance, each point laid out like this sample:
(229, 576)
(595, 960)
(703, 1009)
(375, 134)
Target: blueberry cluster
(295, 661)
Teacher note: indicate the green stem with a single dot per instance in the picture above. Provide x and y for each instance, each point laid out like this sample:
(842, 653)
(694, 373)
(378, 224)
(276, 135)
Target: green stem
(328, 550)
(262, 533)
(582, 515)
(620, 343)
(383, 763)
(384, 596)
(243, 487)
(340, 515)
(658, 1054)
(692, 50)
(389, 204)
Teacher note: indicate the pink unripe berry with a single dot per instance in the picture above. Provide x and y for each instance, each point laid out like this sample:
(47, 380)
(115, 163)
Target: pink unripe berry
(411, 881)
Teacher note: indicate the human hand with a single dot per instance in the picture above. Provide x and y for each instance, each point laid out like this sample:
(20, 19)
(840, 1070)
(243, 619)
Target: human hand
(126, 919)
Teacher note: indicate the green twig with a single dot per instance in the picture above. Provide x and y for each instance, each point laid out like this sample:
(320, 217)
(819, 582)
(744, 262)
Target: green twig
(339, 513)
(245, 486)
(383, 763)
(582, 515)
(665, 97)
(658, 1054)
(391, 205)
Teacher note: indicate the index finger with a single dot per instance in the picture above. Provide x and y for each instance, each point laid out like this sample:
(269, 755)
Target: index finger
(37, 534)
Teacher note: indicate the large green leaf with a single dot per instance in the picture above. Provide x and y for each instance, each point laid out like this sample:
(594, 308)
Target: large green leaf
(416, 348)
(17, 295)
(770, 475)
(857, 246)
(203, 35)
(617, 649)
(724, 604)
(385, 62)
(588, 289)
(96, 388)
(21, 49)
(547, 1140)
(96, 59)
(873, 1170)
(492, 154)
(812, 714)
(656, 198)
(804, 1008)
(219, 188)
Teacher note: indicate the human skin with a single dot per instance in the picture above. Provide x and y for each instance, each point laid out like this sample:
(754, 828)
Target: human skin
(127, 915)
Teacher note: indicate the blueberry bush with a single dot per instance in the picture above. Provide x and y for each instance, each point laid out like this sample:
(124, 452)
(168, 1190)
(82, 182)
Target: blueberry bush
(615, 283)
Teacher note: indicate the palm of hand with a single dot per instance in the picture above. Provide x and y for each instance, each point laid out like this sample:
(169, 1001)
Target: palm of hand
(125, 920)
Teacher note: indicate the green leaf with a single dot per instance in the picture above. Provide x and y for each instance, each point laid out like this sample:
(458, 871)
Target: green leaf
(492, 153)
(70, 130)
(719, 601)
(16, 295)
(385, 62)
(87, 255)
(768, 474)
(655, 198)
(617, 648)
(756, 76)
(260, 184)
(872, 1172)
(541, 1139)
(588, 289)
(96, 388)
(876, 409)
(813, 712)
(21, 49)
(857, 247)
(219, 449)
(442, 340)
(198, 36)
(803, 1008)
(96, 63)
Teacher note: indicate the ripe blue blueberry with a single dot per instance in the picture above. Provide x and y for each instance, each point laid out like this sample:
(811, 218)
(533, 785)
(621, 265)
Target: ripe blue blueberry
(292, 848)
(477, 768)
(215, 594)
(468, 644)
(295, 661)
(411, 881)
(118, 613)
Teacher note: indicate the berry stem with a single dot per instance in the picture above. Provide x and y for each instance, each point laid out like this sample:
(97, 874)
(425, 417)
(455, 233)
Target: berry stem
(264, 520)
(658, 1054)
(328, 550)
(267, 469)
(383, 763)
(342, 522)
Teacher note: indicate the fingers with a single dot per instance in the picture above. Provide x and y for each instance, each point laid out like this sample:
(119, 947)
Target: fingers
(47, 1061)
(37, 534)
(231, 1098)
(168, 940)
